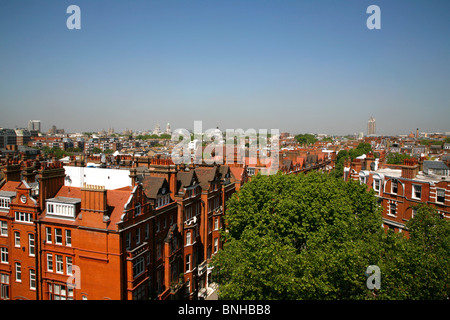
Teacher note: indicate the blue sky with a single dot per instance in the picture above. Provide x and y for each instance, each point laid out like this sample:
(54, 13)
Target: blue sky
(293, 65)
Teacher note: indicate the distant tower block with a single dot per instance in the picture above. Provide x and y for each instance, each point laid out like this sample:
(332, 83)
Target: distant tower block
(371, 126)
(168, 131)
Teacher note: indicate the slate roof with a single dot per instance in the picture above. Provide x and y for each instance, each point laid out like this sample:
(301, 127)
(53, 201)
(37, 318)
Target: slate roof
(439, 165)
(153, 185)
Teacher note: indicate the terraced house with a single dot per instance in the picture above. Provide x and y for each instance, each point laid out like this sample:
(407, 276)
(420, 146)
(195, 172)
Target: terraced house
(150, 240)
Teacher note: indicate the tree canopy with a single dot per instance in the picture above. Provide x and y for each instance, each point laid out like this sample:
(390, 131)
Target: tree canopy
(306, 138)
(313, 236)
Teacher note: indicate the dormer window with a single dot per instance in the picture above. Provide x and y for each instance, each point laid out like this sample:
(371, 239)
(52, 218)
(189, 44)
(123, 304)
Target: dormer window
(163, 200)
(62, 207)
(4, 203)
(5, 199)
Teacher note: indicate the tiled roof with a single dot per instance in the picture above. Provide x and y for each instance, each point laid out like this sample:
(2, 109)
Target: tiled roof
(152, 185)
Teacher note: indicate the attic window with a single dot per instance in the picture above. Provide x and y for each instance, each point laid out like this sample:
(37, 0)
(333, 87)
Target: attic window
(62, 207)
(4, 203)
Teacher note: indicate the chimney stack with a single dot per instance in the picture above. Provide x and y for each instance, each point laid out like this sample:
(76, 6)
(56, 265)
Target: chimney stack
(410, 168)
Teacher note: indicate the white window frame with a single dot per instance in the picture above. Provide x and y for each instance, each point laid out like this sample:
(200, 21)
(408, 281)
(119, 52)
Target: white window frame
(68, 236)
(17, 239)
(69, 264)
(4, 203)
(216, 245)
(49, 262)
(32, 279)
(57, 236)
(188, 262)
(216, 223)
(18, 269)
(48, 234)
(138, 266)
(414, 191)
(31, 245)
(188, 238)
(375, 182)
(4, 255)
(59, 262)
(23, 217)
(437, 195)
(390, 209)
(3, 228)
(392, 187)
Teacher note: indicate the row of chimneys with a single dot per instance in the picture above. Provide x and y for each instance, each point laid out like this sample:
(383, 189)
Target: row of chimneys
(50, 177)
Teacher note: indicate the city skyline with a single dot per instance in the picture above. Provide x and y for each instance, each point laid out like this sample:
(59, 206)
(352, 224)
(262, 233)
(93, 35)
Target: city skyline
(298, 66)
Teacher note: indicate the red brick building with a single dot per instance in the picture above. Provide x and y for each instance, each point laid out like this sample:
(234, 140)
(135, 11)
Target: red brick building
(402, 188)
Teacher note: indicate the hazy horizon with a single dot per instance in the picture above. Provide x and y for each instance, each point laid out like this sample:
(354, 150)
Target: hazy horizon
(297, 66)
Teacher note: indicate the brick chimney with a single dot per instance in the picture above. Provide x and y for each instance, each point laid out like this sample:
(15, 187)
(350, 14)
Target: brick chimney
(94, 206)
(11, 170)
(133, 176)
(93, 198)
(410, 168)
(51, 179)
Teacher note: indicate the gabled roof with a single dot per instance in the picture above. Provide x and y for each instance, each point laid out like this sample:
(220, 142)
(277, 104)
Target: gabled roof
(186, 177)
(205, 176)
(153, 185)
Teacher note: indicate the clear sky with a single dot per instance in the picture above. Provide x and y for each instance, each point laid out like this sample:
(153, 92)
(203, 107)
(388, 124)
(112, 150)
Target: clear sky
(295, 65)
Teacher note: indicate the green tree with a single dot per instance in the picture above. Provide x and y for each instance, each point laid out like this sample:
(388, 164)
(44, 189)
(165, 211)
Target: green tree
(305, 138)
(313, 236)
(281, 227)
(396, 158)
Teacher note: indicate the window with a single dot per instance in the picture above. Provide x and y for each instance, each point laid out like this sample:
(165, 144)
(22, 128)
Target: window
(4, 203)
(376, 184)
(216, 244)
(188, 262)
(216, 223)
(60, 292)
(147, 231)
(31, 245)
(32, 279)
(4, 255)
(17, 239)
(158, 227)
(18, 272)
(188, 286)
(48, 232)
(138, 236)
(58, 236)
(417, 191)
(128, 240)
(138, 266)
(3, 228)
(68, 238)
(49, 262)
(393, 209)
(440, 196)
(69, 265)
(362, 180)
(23, 216)
(138, 209)
(188, 238)
(414, 211)
(394, 187)
(4, 286)
(61, 209)
(59, 264)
